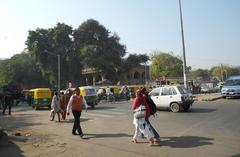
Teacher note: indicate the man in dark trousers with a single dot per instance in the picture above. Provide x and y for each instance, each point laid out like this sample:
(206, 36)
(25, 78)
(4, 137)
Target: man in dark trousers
(76, 103)
(7, 102)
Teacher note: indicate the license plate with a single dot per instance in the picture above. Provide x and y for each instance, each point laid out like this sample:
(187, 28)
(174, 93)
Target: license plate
(231, 93)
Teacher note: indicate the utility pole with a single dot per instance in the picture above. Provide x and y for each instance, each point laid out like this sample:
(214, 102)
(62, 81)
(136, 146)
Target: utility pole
(59, 88)
(222, 73)
(183, 47)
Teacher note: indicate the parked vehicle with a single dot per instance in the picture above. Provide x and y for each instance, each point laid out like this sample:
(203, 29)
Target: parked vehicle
(176, 98)
(231, 87)
(90, 95)
(206, 89)
(41, 97)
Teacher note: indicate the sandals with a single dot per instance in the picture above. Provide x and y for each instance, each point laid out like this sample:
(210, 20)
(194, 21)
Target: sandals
(134, 140)
(154, 142)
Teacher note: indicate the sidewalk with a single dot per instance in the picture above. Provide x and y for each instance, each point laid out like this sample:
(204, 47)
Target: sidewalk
(207, 97)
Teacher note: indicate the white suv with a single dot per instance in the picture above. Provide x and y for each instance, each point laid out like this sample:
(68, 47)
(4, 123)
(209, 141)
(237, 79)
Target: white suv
(174, 97)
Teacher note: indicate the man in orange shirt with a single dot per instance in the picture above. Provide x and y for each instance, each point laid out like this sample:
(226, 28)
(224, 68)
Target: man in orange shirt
(76, 103)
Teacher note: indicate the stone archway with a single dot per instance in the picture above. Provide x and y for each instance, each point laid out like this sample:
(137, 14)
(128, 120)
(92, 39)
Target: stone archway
(136, 75)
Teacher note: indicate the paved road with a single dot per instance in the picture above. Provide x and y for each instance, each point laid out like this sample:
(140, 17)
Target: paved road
(209, 129)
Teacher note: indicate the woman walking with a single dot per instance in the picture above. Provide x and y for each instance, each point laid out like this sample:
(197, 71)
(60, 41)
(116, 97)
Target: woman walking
(63, 105)
(55, 107)
(139, 122)
(152, 130)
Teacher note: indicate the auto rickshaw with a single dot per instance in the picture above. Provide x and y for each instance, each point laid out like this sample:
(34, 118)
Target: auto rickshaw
(102, 93)
(90, 95)
(134, 88)
(41, 97)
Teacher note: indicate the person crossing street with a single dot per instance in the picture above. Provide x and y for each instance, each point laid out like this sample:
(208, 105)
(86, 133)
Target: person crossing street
(76, 104)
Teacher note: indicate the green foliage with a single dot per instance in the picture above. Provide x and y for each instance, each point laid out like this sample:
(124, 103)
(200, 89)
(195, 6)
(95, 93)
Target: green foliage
(134, 60)
(22, 70)
(193, 74)
(165, 64)
(99, 49)
(223, 71)
(46, 44)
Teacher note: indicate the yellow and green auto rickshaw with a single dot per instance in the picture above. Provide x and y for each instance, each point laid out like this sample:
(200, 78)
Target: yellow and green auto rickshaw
(41, 97)
(90, 95)
(134, 88)
(102, 93)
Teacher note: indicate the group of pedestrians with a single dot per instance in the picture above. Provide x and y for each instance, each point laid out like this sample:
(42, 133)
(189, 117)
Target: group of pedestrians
(141, 124)
(75, 104)
(63, 107)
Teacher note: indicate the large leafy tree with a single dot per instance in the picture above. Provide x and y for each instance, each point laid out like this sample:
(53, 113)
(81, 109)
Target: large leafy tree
(46, 44)
(99, 48)
(21, 69)
(165, 64)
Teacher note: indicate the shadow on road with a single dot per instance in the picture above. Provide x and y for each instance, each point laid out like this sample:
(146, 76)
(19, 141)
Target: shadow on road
(201, 110)
(104, 108)
(72, 120)
(117, 135)
(17, 121)
(186, 141)
(8, 148)
(237, 155)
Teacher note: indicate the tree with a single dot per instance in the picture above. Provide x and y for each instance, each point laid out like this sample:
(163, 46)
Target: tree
(223, 71)
(165, 64)
(133, 60)
(193, 74)
(99, 49)
(46, 44)
(22, 70)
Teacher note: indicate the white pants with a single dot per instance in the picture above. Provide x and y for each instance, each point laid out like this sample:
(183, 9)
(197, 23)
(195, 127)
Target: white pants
(139, 127)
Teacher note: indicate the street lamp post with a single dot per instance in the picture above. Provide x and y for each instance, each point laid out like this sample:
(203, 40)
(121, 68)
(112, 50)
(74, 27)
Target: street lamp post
(59, 70)
(58, 57)
(145, 71)
(183, 47)
(59, 74)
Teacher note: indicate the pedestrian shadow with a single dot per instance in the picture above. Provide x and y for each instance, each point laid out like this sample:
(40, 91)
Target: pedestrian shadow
(104, 108)
(7, 147)
(186, 141)
(72, 120)
(117, 135)
(200, 110)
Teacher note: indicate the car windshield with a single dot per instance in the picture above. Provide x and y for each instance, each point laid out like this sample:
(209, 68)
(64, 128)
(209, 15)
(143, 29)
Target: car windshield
(182, 90)
(235, 82)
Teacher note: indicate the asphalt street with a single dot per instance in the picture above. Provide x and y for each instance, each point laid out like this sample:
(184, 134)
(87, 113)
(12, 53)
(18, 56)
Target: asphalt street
(209, 129)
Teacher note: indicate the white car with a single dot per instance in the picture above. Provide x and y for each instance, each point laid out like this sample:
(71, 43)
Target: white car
(176, 98)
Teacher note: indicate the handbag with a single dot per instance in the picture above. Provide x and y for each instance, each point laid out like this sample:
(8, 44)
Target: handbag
(140, 112)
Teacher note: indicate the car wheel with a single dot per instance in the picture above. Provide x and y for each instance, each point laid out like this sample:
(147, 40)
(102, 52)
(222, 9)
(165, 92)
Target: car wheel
(175, 107)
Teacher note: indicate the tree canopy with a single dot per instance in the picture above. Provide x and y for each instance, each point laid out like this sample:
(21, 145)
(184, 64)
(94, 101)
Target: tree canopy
(165, 64)
(22, 70)
(99, 48)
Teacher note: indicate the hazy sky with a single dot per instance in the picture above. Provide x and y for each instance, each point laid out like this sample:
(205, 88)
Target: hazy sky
(211, 27)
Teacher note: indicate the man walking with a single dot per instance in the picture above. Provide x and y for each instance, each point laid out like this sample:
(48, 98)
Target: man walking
(8, 101)
(76, 103)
